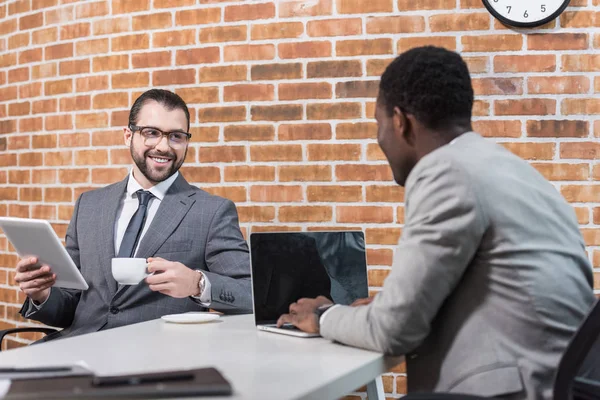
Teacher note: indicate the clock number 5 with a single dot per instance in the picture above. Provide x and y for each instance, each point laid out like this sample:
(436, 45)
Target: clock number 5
(543, 8)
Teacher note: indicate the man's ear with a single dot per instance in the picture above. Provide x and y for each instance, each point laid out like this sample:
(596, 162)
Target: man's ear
(127, 136)
(401, 124)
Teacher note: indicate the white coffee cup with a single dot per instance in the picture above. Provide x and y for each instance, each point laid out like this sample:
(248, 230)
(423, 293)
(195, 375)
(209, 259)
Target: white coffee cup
(129, 271)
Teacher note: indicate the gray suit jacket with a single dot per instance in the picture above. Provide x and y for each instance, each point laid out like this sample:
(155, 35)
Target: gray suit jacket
(490, 278)
(191, 226)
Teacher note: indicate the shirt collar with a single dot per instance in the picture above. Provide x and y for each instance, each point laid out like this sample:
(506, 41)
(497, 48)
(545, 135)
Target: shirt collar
(159, 190)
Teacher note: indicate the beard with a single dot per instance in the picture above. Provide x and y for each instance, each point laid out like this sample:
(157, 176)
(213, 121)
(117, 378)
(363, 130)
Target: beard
(152, 174)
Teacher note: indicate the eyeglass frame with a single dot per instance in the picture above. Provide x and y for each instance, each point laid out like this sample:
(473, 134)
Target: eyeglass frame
(134, 128)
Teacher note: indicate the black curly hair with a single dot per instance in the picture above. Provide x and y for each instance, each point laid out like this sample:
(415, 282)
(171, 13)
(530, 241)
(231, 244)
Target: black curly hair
(431, 83)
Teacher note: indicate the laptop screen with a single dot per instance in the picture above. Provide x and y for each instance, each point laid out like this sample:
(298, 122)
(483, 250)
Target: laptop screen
(287, 266)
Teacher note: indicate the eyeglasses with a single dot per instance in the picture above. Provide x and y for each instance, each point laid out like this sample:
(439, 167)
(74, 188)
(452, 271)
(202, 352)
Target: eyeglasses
(152, 136)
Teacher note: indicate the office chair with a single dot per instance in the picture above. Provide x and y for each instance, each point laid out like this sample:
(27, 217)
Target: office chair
(5, 332)
(578, 373)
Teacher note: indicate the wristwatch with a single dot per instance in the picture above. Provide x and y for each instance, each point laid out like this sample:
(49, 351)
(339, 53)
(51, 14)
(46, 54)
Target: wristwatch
(321, 309)
(201, 283)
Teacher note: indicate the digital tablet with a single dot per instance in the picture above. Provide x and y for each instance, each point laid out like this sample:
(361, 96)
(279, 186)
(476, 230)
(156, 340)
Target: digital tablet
(35, 237)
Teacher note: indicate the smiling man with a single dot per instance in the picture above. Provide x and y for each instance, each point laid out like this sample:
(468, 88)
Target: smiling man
(190, 238)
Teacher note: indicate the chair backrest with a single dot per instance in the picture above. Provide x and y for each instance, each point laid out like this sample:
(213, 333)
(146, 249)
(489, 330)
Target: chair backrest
(582, 356)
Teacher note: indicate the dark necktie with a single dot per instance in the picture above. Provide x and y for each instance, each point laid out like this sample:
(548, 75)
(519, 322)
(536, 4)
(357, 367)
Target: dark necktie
(134, 229)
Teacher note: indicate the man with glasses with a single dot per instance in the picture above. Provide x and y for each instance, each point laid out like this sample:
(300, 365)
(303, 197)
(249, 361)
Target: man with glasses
(191, 239)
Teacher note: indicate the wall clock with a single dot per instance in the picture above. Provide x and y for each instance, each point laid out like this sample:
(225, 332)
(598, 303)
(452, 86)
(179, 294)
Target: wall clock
(525, 13)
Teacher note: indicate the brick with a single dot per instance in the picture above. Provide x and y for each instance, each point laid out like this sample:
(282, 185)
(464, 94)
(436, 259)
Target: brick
(395, 24)
(304, 173)
(358, 172)
(219, 34)
(30, 124)
(8, 59)
(405, 44)
(36, 5)
(234, 133)
(247, 173)
(247, 12)
(91, 157)
(89, 47)
(44, 106)
(374, 153)
(43, 71)
(304, 50)
(223, 73)
(380, 257)
(107, 138)
(532, 151)
(579, 19)
(305, 214)
(121, 118)
(333, 152)
(91, 120)
(74, 140)
(198, 56)
(199, 94)
(333, 111)
(525, 107)
(174, 38)
(489, 43)
(283, 152)
(334, 69)
(233, 193)
(19, 176)
(247, 52)
(459, 22)
(364, 7)
(120, 156)
(31, 21)
(383, 236)
(202, 174)
(59, 51)
(9, 193)
(18, 40)
(334, 27)
(500, 128)
(248, 92)
(580, 62)
(557, 128)
(289, 132)
(581, 193)
(17, 142)
(8, 26)
(385, 194)
(276, 193)
(172, 3)
(222, 154)
(527, 63)
(592, 238)
(277, 30)
(276, 71)
(298, 91)
(75, 31)
(199, 16)
(222, 114)
(130, 42)
(91, 9)
(341, 194)
(557, 41)
(91, 83)
(563, 172)
(305, 8)
(110, 26)
(583, 215)
(58, 87)
(127, 6)
(60, 15)
(356, 89)
(151, 59)
(18, 75)
(74, 67)
(17, 109)
(408, 5)
(173, 77)
(19, 211)
(30, 56)
(580, 150)
(130, 80)
(151, 21)
(281, 112)
(59, 122)
(558, 85)
(58, 195)
(580, 106)
(363, 47)
(497, 86)
(30, 159)
(19, 6)
(359, 130)
(110, 100)
(256, 213)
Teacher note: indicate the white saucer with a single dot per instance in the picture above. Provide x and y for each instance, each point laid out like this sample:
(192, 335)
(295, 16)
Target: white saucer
(190, 318)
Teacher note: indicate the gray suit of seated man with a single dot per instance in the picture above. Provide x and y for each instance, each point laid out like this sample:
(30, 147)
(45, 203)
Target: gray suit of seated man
(191, 239)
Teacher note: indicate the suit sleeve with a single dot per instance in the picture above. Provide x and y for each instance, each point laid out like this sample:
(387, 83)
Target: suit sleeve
(59, 309)
(228, 262)
(444, 226)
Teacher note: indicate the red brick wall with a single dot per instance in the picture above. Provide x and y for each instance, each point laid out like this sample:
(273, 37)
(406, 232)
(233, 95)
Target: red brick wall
(282, 100)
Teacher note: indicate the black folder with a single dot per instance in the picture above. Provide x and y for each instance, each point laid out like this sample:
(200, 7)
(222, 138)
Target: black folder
(181, 383)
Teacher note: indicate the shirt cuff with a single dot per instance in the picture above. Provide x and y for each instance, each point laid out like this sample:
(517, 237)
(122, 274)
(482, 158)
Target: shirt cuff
(323, 316)
(36, 307)
(204, 298)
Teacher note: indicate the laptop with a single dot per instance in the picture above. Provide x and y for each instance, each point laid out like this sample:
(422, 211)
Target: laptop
(287, 266)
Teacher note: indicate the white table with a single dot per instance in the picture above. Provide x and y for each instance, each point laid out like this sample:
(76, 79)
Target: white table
(259, 365)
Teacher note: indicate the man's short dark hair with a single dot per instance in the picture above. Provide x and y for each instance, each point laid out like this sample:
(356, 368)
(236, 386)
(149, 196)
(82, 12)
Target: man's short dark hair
(167, 99)
(431, 83)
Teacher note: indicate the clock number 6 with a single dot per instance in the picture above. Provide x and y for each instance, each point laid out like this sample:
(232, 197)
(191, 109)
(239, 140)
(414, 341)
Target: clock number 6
(525, 14)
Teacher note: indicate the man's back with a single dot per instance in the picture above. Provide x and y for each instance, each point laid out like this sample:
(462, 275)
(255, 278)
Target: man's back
(506, 323)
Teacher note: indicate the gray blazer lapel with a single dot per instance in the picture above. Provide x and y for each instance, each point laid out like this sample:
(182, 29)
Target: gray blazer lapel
(106, 231)
(173, 208)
